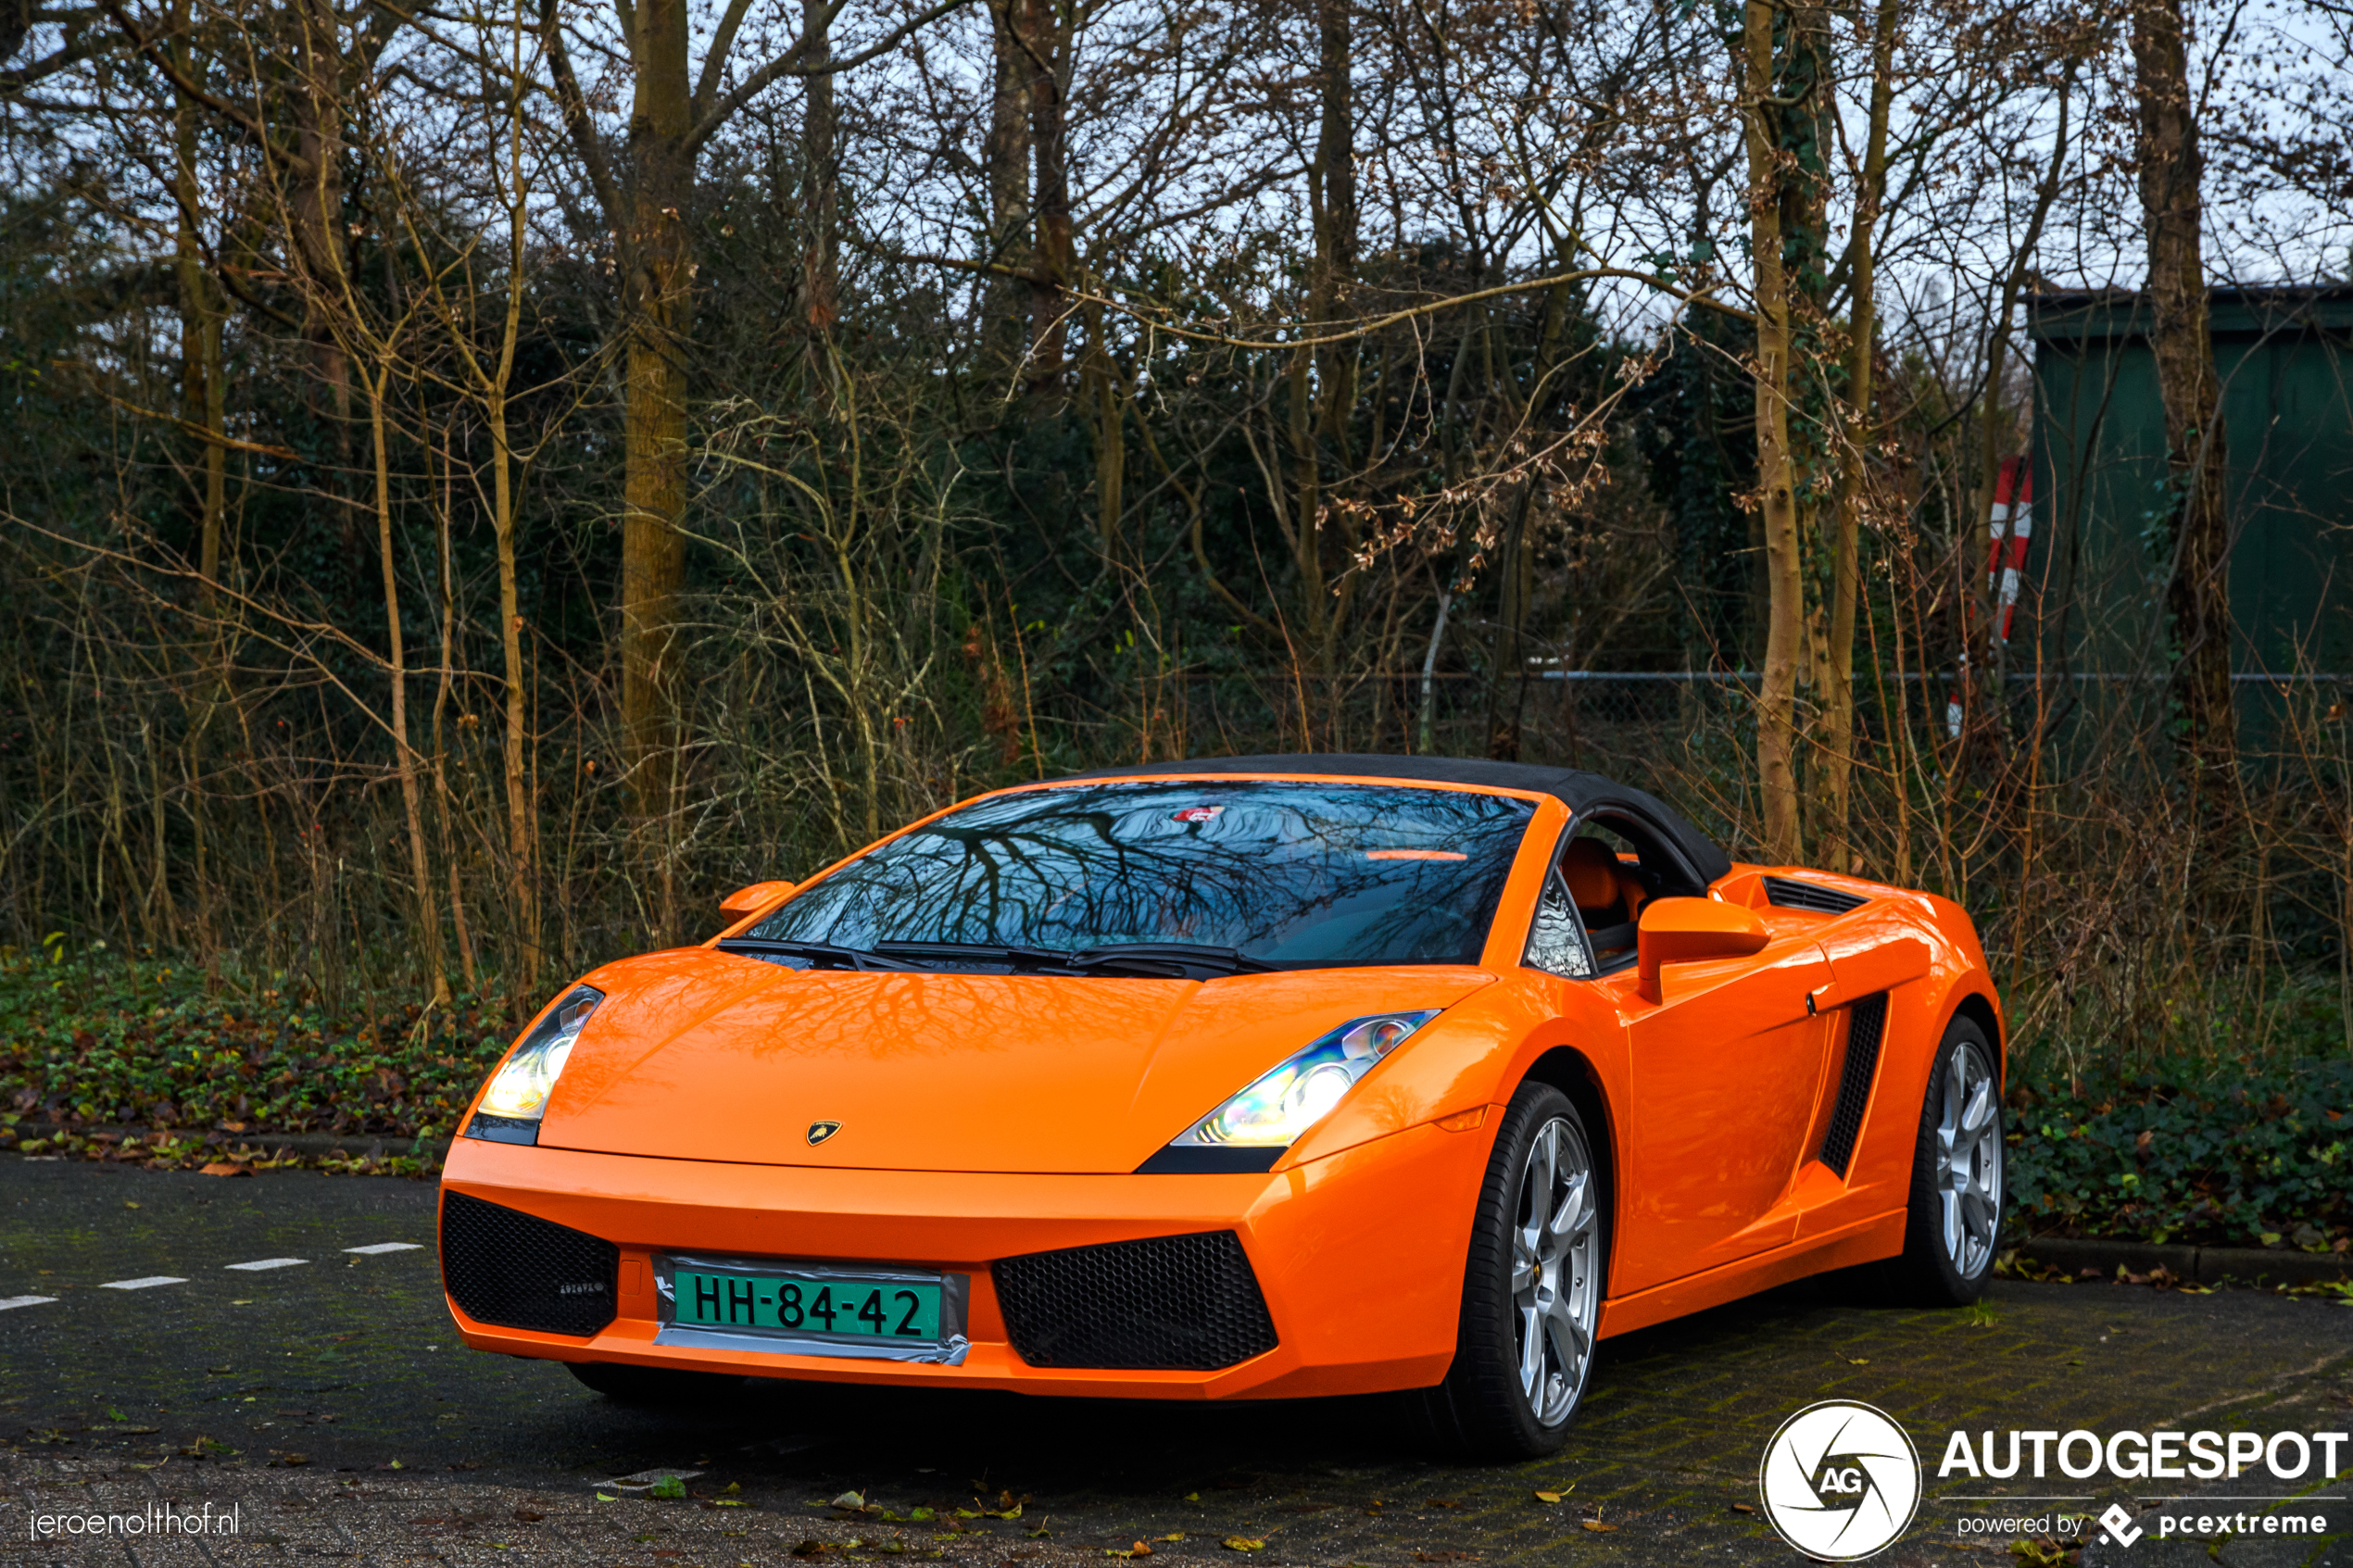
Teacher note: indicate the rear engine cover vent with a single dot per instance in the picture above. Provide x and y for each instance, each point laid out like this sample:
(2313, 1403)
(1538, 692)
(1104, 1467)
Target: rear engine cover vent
(1788, 893)
(518, 1271)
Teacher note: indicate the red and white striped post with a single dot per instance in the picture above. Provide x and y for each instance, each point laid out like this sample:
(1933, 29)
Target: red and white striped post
(2010, 528)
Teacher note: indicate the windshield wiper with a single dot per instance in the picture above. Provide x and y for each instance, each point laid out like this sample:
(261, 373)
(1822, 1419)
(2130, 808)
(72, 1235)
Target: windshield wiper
(1183, 958)
(820, 954)
(975, 952)
(1170, 961)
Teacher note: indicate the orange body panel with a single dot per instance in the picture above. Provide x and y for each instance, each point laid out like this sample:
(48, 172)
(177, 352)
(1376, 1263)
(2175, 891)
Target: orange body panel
(985, 1117)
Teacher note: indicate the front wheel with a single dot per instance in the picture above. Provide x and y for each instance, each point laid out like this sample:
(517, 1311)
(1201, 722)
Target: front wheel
(1953, 1219)
(1532, 1291)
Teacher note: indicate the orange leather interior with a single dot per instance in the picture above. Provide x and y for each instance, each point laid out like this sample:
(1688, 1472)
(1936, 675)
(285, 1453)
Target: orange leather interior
(1599, 881)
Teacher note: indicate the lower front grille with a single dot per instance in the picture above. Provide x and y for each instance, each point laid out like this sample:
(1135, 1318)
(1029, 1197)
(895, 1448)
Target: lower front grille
(1185, 1303)
(518, 1271)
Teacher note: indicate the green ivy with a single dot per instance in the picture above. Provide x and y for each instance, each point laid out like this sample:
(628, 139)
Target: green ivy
(98, 1041)
(2240, 1155)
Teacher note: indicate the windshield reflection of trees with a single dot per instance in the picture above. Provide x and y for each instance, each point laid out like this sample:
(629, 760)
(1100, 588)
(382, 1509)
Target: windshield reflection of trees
(1278, 872)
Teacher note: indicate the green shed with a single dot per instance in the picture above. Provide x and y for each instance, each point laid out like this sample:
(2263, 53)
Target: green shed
(2095, 574)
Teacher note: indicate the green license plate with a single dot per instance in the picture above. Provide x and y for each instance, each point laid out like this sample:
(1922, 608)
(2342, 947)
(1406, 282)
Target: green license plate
(784, 1302)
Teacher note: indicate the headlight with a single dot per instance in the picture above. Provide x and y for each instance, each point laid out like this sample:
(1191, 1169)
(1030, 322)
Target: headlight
(1273, 1112)
(518, 1094)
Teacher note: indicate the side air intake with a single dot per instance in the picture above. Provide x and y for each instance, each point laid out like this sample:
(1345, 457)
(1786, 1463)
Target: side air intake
(1788, 893)
(1866, 1023)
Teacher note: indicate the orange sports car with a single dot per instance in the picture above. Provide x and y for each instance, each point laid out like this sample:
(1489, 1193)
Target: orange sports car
(1237, 1079)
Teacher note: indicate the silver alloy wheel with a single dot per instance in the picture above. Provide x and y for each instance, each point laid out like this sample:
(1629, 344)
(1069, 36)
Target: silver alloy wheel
(1556, 1271)
(1968, 1160)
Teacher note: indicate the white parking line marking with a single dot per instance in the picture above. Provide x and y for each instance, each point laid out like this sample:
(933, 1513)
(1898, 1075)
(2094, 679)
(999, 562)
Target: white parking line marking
(260, 1263)
(9, 1301)
(143, 1282)
(376, 1248)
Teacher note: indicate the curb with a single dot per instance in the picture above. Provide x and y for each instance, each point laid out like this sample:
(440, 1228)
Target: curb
(372, 1145)
(2202, 1265)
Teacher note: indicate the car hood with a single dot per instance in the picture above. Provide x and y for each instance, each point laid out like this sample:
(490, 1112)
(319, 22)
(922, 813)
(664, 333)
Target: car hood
(703, 1054)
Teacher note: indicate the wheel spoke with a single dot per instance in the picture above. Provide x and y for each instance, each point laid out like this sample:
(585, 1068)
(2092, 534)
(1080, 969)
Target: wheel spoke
(1531, 1353)
(1565, 1337)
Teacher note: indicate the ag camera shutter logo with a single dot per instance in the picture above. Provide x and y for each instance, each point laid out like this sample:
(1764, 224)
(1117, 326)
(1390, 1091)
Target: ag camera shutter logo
(1840, 1481)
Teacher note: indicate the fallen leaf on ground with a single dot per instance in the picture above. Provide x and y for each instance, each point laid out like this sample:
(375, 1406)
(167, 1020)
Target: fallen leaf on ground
(849, 1501)
(529, 1517)
(1243, 1543)
(1597, 1526)
(811, 1548)
(1743, 1508)
(222, 1168)
(1139, 1549)
(1859, 1361)
(1550, 1496)
(1192, 1496)
(607, 1497)
(1174, 1535)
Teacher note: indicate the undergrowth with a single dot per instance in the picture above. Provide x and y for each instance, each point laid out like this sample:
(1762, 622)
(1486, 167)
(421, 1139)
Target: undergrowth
(2248, 1149)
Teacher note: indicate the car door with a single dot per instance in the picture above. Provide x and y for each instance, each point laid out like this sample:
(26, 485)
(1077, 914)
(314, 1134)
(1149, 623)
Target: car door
(1726, 1071)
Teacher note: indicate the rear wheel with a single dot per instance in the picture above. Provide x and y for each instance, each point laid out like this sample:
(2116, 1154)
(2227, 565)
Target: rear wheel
(1532, 1291)
(1953, 1219)
(629, 1385)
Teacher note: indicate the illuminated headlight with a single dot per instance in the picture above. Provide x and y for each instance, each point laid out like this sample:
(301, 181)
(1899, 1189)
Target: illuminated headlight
(518, 1094)
(1273, 1112)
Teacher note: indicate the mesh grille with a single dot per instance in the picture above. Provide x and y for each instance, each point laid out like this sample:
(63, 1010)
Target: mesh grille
(1865, 1021)
(1788, 893)
(1173, 1302)
(518, 1271)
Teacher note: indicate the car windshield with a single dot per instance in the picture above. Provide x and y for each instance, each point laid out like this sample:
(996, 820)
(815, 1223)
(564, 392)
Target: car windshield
(1291, 876)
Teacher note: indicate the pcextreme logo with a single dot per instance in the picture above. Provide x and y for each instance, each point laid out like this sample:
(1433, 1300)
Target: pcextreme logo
(1840, 1481)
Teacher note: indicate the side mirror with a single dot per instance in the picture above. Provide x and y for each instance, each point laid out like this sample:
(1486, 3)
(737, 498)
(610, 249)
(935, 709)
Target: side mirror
(1686, 930)
(751, 900)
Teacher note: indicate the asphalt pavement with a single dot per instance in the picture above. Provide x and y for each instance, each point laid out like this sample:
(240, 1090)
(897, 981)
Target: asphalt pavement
(276, 1347)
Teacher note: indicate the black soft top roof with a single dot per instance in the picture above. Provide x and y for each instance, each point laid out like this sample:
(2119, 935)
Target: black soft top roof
(1581, 792)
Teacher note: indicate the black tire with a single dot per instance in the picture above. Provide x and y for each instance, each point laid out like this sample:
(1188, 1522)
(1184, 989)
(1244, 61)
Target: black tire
(1483, 1410)
(628, 1385)
(1927, 1274)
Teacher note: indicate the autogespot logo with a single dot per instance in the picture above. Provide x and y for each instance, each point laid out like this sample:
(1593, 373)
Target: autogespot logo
(1840, 1481)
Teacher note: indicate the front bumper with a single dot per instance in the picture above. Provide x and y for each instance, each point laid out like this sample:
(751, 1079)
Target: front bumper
(1360, 1256)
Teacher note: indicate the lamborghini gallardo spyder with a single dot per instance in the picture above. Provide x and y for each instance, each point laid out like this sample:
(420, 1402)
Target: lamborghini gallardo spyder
(1249, 1078)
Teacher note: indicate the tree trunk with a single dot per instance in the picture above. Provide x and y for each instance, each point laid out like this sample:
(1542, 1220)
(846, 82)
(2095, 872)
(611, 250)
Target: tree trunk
(653, 550)
(2198, 596)
(1322, 401)
(1853, 454)
(316, 223)
(820, 174)
(1050, 58)
(1776, 494)
(1104, 397)
(203, 393)
(1332, 203)
(428, 906)
(1005, 335)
